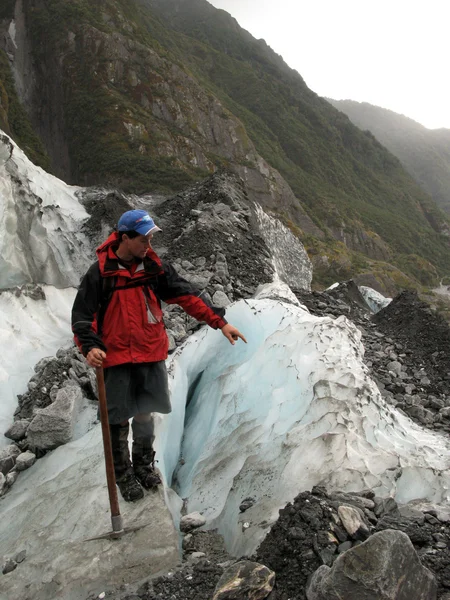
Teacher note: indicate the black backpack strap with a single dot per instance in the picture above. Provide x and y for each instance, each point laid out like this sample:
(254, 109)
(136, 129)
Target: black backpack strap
(108, 287)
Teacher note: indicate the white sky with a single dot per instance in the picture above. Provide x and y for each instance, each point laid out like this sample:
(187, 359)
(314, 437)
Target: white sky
(391, 53)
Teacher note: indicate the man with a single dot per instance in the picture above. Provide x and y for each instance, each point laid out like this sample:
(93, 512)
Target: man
(118, 324)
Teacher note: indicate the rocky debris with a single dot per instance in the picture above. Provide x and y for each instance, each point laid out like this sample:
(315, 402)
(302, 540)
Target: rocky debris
(30, 290)
(309, 533)
(105, 208)
(48, 413)
(243, 580)
(214, 236)
(424, 334)
(409, 378)
(385, 566)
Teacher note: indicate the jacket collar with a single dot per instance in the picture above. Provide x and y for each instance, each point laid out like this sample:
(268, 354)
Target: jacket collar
(109, 263)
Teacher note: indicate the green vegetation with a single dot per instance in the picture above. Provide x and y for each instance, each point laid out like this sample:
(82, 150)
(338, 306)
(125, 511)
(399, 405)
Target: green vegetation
(14, 120)
(7, 9)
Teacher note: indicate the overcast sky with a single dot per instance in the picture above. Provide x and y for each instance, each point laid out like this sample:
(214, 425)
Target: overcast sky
(391, 53)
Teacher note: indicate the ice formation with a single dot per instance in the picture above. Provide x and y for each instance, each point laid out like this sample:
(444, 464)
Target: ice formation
(291, 262)
(40, 222)
(292, 409)
(30, 328)
(374, 299)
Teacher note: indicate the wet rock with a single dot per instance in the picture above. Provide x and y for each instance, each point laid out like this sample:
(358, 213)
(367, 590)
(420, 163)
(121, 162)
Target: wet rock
(192, 521)
(244, 580)
(383, 567)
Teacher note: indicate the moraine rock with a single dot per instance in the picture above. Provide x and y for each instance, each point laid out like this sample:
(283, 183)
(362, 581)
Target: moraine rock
(192, 521)
(25, 460)
(384, 567)
(8, 456)
(18, 430)
(53, 426)
(245, 580)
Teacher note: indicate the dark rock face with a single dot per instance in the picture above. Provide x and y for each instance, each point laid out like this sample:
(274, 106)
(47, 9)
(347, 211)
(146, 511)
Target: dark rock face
(386, 566)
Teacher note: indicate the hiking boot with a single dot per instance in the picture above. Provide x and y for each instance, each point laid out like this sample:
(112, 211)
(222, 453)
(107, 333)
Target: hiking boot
(144, 464)
(129, 487)
(125, 478)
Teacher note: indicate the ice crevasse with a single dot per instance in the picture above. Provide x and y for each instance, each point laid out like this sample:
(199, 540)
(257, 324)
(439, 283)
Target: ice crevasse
(293, 408)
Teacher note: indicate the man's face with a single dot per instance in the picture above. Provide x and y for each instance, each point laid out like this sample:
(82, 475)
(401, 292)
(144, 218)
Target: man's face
(139, 245)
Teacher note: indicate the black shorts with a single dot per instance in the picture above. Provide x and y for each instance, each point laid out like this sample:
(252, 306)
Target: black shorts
(136, 388)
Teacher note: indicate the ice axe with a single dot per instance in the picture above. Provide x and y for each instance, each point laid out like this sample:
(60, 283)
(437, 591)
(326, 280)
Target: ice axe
(118, 529)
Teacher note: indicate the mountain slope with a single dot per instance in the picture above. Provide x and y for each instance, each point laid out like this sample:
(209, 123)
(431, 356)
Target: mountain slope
(151, 95)
(425, 153)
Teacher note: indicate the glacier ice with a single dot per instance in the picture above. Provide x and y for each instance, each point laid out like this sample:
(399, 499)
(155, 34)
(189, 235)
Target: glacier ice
(292, 409)
(40, 222)
(29, 330)
(290, 260)
(374, 299)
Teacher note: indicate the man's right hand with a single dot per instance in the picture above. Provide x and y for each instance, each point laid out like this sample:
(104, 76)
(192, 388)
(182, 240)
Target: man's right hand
(95, 357)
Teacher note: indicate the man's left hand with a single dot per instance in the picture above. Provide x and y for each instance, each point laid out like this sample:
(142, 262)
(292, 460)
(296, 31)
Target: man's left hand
(232, 334)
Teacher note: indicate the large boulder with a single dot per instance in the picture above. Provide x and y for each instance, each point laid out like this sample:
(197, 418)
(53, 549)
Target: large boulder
(53, 426)
(385, 567)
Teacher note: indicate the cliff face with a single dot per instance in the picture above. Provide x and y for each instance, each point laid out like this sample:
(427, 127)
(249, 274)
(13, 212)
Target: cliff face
(151, 96)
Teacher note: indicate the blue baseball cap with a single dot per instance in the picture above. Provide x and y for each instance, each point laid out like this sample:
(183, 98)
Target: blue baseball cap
(137, 220)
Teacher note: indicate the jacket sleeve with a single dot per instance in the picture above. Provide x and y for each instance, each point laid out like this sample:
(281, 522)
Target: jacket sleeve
(84, 312)
(173, 289)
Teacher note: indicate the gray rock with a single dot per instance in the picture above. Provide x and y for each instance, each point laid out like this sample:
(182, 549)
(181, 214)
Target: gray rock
(412, 513)
(8, 566)
(395, 367)
(20, 556)
(53, 426)
(344, 547)
(192, 521)
(3, 484)
(243, 580)
(384, 567)
(8, 457)
(11, 478)
(25, 460)
(220, 299)
(384, 506)
(18, 430)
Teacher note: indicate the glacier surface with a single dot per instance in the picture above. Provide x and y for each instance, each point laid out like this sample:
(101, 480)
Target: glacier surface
(40, 223)
(292, 409)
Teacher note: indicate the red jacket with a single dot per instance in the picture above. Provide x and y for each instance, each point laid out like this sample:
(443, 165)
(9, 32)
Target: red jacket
(123, 315)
